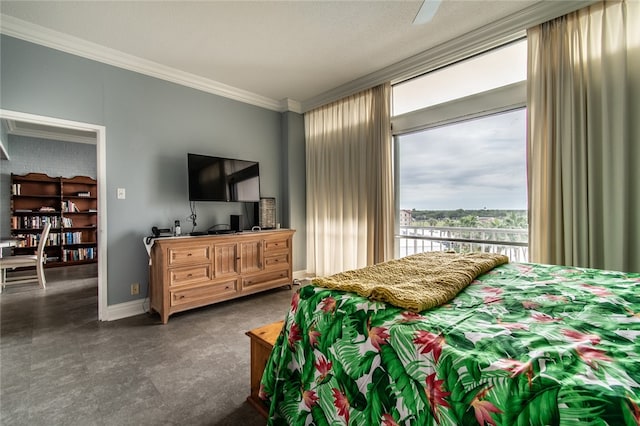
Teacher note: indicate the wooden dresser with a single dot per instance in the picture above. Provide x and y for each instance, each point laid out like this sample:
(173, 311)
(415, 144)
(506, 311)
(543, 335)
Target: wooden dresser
(189, 272)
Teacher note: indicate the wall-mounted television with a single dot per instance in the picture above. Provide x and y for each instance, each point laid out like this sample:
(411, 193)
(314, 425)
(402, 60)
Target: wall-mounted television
(222, 179)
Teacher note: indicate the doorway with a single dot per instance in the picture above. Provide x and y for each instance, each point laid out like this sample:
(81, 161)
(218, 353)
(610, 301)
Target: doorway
(100, 141)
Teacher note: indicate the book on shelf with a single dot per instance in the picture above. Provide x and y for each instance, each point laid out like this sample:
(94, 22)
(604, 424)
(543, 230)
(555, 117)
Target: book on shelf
(54, 239)
(84, 194)
(69, 206)
(34, 222)
(16, 189)
(32, 240)
(87, 253)
(73, 237)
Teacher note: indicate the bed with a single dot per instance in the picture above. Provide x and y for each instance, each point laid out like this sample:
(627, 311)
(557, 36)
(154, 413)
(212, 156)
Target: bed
(522, 344)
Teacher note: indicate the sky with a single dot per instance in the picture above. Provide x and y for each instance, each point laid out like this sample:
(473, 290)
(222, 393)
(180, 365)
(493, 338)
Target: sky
(476, 164)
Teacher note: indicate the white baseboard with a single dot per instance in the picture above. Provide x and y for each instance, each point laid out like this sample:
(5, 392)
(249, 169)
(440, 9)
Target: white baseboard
(300, 275)
(126, 309)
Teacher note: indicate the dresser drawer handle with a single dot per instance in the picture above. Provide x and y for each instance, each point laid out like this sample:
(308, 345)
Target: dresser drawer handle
(189, 275)
(189, 254)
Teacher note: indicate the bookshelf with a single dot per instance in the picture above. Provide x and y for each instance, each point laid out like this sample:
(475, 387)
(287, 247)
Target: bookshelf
(69, 204)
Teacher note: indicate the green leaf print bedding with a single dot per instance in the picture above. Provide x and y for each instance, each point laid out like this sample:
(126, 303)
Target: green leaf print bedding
(524, 344)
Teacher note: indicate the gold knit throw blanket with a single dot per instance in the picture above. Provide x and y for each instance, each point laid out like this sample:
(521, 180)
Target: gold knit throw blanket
(416, 282)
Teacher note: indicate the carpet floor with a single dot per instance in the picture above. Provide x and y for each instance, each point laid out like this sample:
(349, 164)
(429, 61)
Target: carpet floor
(60, 366)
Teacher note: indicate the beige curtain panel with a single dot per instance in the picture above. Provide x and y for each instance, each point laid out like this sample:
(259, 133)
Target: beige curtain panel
(584, 138)
(350, 208)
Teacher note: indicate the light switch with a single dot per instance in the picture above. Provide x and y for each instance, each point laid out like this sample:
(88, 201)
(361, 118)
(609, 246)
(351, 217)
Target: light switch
(121, 194)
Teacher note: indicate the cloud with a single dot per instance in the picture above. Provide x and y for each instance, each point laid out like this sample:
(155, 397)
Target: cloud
(473, 164)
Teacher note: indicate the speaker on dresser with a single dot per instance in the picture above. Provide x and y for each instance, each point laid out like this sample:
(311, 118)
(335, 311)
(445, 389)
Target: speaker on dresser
(235, 222)
(267, 213)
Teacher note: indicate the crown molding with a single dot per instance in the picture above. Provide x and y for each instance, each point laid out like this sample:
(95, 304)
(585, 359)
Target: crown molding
(290, 105)
(474, 42)
(20, 128)
(37, 34)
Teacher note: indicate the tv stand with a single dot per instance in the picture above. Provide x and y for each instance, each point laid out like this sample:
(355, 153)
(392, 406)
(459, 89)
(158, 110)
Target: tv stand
(194, 271)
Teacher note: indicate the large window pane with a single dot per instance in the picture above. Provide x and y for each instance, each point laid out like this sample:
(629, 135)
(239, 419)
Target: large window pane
(491, 70)
(470, 174)
(474, 164)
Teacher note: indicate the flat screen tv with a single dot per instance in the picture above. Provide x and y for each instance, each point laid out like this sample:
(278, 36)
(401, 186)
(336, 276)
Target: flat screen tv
(222, 179)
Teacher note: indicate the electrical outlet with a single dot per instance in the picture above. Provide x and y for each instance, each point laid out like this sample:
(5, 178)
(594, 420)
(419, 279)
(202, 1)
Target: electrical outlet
(135, 289)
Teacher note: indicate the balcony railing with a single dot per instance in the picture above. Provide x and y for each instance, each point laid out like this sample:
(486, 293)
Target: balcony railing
(418, 239)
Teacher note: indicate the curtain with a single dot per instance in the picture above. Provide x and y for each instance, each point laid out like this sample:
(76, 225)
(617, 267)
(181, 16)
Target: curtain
(350, 209)
(584, 138)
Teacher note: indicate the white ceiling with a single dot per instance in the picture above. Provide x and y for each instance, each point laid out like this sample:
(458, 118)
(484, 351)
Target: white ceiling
(266, 50)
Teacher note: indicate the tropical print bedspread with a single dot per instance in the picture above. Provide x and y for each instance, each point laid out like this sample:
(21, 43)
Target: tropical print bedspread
(525, 344)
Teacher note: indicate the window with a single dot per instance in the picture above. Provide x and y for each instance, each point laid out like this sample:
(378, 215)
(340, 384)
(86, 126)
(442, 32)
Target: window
(471, 165)
(461, 160)
(497, 68)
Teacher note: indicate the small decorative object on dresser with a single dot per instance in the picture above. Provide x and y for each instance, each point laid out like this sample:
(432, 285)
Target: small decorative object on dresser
(190, 272)
(267, 213)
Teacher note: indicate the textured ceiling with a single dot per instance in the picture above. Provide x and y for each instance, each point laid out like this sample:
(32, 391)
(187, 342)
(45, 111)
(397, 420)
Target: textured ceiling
(276, 49)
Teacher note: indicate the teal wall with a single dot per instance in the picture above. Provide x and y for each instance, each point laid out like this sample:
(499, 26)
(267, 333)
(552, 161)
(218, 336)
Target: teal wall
(151, 125)
(51, 157)
(294, 189)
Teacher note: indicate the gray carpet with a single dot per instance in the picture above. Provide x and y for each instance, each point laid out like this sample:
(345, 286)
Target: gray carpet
(60, 366)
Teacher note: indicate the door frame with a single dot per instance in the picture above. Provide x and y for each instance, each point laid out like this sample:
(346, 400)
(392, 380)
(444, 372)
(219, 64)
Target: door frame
(101, 163)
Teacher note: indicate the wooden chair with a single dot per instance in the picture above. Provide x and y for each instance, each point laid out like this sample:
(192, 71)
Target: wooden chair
(21, 261)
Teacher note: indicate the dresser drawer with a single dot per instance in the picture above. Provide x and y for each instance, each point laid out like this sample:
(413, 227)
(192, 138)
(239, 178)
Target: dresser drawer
(267, 279)
(276, 245)
(195, 295)
(276, 261)
(189, 255)
(189, 275)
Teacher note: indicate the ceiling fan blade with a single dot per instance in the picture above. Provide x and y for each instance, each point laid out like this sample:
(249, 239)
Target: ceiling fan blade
(426, 12)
